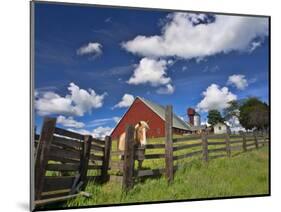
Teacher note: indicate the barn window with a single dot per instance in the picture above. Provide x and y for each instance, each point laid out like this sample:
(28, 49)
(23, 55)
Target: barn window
(219, 127)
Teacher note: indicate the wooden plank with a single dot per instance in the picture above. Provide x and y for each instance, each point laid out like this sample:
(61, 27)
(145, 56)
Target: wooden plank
(106, 157)
(91, 167)
(227, 145)
(97, 147)
(250, 140)
(56, 192)
(155, 146)
(216, 156)
(263, 142)
(169, 171)
(244, 147)
(236, 141)
(128, 166)
(256, 141)
(68, 143)
(190, 154)
(217, 150)
(96, 157)
(67, 133)
(116, 166)
(98, 141)
(116, 153)
(237, 148)
(204, 146)
(187, 138)
(149, 172)
(251, 144)
(58, 183)
(215, 136)
(55, 199)
(62, 160)
(216, 143)
(63, 153)
(186, 146)
(139, 156)
(84, 161)
(62, 167)
(42, 154)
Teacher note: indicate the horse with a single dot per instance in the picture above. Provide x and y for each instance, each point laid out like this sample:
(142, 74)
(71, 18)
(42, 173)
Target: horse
(139, 137)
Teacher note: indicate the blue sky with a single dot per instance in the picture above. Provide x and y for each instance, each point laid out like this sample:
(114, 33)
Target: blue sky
(91, 62)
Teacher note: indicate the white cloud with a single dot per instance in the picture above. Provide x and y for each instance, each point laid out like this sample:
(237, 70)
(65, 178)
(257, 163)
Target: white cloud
(168, 89)
(76, 103)
(90, 48)
(215, 98)
(126, 101)
(184, 36)
(238, 80)
(234, 124)
(104, 121)
(99, 132)
(69, 122)
(150, 71)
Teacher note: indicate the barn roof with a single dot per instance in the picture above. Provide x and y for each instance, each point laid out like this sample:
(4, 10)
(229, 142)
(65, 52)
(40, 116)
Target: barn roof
(160, 111)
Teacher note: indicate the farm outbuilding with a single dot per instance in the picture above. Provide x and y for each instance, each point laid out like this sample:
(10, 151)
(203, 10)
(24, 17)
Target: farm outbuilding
(145, 110)
(221, 128)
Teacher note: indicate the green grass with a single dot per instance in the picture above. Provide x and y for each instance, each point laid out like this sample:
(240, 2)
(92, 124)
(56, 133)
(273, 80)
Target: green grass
(245, 174)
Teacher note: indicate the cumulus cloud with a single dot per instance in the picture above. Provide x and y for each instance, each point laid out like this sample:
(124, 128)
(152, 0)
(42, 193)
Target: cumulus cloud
(69, 122)
(189, 35)
(150, 71)
(235, 125)
(90, 49)
(126, 101)
(168, 89)
(215, 98)
(238, 80)
(99, 132)
(104, 121)
(78, 102)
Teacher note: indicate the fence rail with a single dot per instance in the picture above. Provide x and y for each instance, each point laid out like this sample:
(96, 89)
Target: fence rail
(64, 161)
(205, 146)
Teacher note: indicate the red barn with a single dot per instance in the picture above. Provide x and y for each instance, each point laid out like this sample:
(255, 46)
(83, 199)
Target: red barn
(144, 110)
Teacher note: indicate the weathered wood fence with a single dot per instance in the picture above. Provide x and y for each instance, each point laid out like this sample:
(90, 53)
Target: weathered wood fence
(205, 146)
(65, 161)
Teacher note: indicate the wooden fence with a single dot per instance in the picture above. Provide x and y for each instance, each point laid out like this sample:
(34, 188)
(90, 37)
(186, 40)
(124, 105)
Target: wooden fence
(206, 147)
(65, 161)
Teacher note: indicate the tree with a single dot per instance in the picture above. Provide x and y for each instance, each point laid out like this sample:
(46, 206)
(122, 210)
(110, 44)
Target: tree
(254, 114)
(214, 117)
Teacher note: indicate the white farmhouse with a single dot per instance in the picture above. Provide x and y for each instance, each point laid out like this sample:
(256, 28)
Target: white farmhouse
(220, 128)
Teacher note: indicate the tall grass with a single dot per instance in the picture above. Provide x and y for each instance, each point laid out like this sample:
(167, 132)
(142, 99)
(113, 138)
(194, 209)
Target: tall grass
(245, 174)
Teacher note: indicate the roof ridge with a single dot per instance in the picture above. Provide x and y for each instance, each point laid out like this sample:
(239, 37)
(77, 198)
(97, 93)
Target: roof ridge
(148, 102)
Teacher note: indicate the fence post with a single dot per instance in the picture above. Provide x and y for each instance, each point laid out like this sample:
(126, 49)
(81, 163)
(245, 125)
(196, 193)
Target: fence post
(169, 143)
(105, 165)
(204, 146)
(244, 142)
(41, 157)
(227, 144)
(129, 161)
(85, 157)
(256, 140)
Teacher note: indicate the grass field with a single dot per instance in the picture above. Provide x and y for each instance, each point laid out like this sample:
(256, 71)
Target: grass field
(244, 174)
